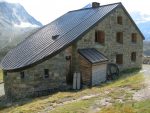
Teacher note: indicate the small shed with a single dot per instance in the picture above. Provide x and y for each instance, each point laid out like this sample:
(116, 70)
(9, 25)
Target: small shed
(93, 66)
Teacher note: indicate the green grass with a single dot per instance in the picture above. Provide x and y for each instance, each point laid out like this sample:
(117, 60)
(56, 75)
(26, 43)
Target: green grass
(132, 81)
(134, 107)
(1, 75)
(75, 107)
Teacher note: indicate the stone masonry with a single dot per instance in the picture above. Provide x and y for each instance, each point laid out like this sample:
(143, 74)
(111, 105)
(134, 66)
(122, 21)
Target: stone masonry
(111, 47)
(34, 79)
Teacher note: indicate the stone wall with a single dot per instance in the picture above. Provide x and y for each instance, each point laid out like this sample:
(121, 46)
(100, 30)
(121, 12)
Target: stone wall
(111, 47)
(34, 80)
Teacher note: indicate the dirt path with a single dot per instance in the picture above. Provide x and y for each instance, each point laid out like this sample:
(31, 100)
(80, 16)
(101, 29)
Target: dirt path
(144, 93)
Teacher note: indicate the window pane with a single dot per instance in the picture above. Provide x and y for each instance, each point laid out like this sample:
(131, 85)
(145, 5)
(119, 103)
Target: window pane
(22, 75)
(46, 73)
(134, 37)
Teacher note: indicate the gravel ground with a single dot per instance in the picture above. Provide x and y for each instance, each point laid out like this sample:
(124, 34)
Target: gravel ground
(144, 93)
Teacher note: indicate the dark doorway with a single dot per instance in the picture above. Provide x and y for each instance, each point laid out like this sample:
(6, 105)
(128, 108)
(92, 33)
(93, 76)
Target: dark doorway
(69, 76)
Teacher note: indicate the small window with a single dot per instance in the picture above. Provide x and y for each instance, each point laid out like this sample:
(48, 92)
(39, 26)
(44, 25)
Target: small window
(119, 20)
(119, 58)
(46, 73)
(134, 37)
(133, 56)
(22, 75)
(119, 37)
(100, 37)
(4, 73)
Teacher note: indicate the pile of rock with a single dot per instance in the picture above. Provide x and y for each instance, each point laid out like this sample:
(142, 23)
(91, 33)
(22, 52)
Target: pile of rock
(146, 60)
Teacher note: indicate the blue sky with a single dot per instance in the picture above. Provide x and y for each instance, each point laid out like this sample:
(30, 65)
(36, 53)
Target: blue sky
(47, 10)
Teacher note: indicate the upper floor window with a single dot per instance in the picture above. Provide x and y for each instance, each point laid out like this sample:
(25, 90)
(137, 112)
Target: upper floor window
(119, 58)
(100, 36)
(22, 75)
(119, 20)
(134, 37)
(133, 56)
(46, 73)
(119, 37)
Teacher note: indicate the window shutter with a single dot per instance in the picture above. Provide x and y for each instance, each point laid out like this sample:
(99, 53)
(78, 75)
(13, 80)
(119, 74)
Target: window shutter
(119, 20)
(133, 56)
(134, 37)
(121, 36)
(119, 59)
(100, 37)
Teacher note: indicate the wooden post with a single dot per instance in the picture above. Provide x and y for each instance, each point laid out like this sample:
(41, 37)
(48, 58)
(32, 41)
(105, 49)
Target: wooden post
(75, 81)
(78, 81)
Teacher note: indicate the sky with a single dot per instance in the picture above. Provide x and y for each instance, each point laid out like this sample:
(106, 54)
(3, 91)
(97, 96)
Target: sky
(46, 11)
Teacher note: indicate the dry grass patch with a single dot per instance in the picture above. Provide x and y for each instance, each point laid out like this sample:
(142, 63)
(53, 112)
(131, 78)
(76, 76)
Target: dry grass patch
(133, 107)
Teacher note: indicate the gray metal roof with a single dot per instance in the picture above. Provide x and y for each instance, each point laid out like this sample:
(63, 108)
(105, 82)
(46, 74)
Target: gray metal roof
(64, 30)
(92, 55)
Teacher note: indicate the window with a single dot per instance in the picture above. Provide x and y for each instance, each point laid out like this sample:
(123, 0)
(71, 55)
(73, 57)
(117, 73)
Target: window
(134, 37)
(46, 73)
(133, 56)
(119, 37)
(119, 58)
(100, 36)
(4, 73)
(119, 20)
(22, 75)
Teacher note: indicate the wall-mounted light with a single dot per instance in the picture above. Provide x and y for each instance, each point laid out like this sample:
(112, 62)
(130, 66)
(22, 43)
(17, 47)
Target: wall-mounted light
(68, 57)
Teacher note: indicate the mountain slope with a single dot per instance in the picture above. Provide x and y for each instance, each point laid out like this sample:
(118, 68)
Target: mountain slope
(15, 14)
(15, 25)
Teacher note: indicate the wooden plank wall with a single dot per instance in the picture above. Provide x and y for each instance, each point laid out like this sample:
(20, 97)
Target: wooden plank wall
(86, 70)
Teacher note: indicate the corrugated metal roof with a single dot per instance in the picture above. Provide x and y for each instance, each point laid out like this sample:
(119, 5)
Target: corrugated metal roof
(92, 55)
(40, 45)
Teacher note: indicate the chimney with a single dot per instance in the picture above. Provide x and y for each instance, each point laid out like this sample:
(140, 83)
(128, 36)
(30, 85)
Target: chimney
(95, 4)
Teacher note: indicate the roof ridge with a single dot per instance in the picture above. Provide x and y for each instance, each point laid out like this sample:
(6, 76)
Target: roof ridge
(95, 8)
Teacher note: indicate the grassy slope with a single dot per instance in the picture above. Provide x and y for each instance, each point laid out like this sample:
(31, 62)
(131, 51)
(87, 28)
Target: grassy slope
(132, 82)
(132, 107)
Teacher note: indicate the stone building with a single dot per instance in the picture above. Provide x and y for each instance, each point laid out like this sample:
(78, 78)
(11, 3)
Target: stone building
(47, 59)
